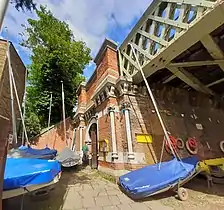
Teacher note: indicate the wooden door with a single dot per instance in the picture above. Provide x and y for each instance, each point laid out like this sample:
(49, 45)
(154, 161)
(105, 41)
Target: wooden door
(94, 149)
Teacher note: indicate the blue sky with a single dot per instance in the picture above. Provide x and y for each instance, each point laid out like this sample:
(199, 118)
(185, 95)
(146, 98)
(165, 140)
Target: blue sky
(90, 20)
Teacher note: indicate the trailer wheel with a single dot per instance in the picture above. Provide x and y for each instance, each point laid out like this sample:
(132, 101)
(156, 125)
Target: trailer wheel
(182, 194)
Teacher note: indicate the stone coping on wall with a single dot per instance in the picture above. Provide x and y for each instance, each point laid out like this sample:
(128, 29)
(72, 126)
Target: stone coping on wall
(108, 43)
(82, 85)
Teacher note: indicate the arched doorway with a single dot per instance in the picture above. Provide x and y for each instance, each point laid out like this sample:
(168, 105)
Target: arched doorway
(94, 144)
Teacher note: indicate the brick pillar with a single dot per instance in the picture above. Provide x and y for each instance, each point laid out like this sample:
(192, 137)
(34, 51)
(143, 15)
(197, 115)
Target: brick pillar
(113, 132)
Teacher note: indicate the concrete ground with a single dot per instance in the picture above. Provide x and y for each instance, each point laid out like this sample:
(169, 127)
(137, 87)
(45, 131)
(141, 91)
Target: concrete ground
(86, 189)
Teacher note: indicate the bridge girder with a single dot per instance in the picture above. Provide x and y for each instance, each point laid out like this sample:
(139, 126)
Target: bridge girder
(167, 29)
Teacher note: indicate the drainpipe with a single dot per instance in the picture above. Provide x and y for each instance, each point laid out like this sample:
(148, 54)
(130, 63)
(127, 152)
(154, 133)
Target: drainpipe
(113, 134)
(128, 131)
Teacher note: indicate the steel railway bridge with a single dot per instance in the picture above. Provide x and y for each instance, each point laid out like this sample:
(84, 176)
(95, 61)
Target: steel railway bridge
(180, 42)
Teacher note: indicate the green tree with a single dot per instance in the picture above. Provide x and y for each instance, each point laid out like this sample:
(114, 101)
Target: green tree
(32, 122)
(56, 56)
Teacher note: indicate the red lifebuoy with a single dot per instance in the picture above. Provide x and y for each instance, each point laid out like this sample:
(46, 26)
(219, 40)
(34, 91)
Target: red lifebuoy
(173, 144)
(221, 145)
(192, 146)
(180, 143)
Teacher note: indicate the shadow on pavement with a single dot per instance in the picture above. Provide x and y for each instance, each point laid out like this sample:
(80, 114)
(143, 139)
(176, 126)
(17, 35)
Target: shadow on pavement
(55, 199)
(199, 184)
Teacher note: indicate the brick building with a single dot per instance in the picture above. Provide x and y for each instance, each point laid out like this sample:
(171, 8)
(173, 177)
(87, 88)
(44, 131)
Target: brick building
(19, 71)
(182, 57)
(116, 118)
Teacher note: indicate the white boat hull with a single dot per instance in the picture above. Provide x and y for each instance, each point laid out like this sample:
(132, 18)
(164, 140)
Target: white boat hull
(20, 191)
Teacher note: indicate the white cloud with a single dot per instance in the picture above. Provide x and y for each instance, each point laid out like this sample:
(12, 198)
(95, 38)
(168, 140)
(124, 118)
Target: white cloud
(90, 20)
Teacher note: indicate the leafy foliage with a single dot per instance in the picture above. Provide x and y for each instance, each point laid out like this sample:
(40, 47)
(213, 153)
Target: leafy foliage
(32, 122)
(56, 56)
(24, 4)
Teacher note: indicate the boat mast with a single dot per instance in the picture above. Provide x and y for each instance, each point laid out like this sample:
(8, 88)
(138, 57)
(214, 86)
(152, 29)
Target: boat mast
(3, 8)
(63, 111)
(154, 102)
(24, 108)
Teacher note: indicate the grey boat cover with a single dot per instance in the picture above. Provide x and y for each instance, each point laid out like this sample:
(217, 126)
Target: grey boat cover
(68, 158)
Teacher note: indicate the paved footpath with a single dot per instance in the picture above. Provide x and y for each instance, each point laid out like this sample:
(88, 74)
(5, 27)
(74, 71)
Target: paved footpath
(99, 194)
(87, 190)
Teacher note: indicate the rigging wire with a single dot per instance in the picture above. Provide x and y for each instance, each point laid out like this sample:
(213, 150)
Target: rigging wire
(176, 155)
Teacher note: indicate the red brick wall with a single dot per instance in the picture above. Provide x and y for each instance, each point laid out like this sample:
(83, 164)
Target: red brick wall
(120, 166)
(108, 61)
(141, 122)
(174, 102)
(177, 107)
(104, 126)
(54, 138)
(82, 99)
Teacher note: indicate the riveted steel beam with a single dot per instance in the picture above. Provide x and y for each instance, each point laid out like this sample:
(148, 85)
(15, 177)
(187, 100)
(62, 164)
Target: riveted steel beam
(189, 79)
(153, 38)
(169, 22)
(212, 47)
(149, 56)
(215, 83)
(169, 79)
(202, 3)
(185, 40)
(214, 51)
(130, 60)
(197, 63)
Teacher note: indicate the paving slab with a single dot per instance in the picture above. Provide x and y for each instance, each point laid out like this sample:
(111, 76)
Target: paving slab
(89, 193)
(113, 191)
(114, 200)
(110, 208)
(72, 200)
(102, 193)
(88, 202)
(154, 205)
(103, 201)
(87, 187)
(95, 208)
(124, 207)
(125, 199)
(140, 206)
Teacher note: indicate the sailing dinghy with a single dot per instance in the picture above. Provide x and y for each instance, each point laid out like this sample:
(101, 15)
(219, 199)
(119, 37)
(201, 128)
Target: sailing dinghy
(28, 152)
(28, 175)
(152, 180)
(68, 158)
(163, 176)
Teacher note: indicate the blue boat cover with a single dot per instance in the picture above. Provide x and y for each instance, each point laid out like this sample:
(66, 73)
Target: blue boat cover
(22, 172)
(148, 180)
(46, 151)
